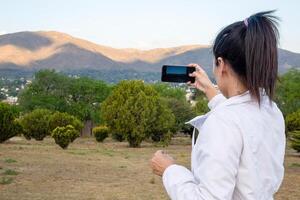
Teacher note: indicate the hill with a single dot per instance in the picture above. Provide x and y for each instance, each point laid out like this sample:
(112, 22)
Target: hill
(23, 52)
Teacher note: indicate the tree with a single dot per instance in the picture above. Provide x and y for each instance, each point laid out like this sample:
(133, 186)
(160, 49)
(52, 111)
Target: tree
(162, 127)
(136, 111)
(287, 92)
(64, 119)
(201, 106)
(295, 140)
(167, 91)
(293, 127)
(57, 92)
(176, 101)
(36, 124)
(9, 126)
(182, 111)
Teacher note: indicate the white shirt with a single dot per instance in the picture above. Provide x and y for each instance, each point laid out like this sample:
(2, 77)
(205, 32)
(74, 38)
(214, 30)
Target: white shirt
(238, 154)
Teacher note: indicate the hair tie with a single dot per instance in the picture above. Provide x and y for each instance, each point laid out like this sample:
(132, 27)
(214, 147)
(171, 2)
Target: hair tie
(246, 22)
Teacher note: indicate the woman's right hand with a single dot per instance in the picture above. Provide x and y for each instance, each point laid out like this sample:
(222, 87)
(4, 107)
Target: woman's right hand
(202, 82)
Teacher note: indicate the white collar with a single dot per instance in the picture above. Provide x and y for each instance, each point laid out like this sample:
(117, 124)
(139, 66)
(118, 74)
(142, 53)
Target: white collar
(198, 121)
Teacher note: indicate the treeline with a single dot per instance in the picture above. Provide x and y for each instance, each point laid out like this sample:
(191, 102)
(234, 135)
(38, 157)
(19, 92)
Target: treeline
(58, 105)
(107, 75)
(130, 110)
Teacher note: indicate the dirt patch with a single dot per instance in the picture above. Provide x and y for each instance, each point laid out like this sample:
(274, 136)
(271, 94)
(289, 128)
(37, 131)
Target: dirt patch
(91, 170)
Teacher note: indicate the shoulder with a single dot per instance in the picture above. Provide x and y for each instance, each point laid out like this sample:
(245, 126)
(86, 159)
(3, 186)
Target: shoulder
(222, 123)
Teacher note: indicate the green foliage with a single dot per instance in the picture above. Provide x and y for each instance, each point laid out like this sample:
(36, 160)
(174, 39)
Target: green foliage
(201, 106)
(64, 119)
(10, 172)
(9, 126)
(166, 91)
(12, 85)
(293, 127)
(161, 129)
(10, 160)
(118, 136)
(182, 111)
(77, 96)
(295, 140)
(293, 121)
(100, 133)
(135, 110)
(287, 92)
(36, 124)
(63, 136)
(6, 180)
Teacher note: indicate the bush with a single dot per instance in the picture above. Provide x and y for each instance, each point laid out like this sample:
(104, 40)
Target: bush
(63, 136)
(36, 124)
(293, 127)
(165, 121)
(201, 106)
(9, 126)
(182, 111)
(293, 121)
(64, 119)
(295, 140)
(287, 91)
(100, 133)
(118, 136)
(133, 109)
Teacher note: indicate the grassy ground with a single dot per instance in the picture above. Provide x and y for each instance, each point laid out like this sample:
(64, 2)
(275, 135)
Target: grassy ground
(90, 170)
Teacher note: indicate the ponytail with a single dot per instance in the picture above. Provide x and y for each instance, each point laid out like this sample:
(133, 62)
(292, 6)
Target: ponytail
(250, 47)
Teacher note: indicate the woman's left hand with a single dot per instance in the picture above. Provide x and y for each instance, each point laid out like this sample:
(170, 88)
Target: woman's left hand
(160, 161)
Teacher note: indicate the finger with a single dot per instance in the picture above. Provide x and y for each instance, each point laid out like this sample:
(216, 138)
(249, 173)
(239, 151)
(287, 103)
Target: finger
(193, 65)
(199, 69)
(195, 74)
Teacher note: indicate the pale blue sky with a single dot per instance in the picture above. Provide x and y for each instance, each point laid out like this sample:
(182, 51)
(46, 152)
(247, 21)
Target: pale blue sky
(145, 24)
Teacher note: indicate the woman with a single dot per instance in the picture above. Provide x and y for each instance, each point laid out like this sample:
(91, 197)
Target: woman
(239, 153)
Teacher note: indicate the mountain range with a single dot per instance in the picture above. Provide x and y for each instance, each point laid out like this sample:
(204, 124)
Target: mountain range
(31, 51)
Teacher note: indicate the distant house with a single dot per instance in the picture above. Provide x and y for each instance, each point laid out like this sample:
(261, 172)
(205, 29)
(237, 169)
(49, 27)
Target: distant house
(190, 96)
(11, 100)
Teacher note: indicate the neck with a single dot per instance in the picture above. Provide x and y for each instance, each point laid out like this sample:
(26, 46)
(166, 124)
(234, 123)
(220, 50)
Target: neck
(237, 88)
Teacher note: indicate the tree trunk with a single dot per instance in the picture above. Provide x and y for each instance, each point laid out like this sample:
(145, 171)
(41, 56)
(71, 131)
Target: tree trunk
(87, 129)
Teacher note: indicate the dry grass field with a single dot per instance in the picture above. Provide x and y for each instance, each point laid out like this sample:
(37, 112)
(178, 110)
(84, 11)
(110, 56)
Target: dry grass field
(90, 170)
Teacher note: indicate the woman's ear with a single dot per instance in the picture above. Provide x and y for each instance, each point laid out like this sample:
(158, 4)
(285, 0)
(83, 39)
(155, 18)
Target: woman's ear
(221, 64)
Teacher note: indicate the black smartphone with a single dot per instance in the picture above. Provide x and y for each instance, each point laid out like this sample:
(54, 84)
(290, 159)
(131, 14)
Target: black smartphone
(177, 74)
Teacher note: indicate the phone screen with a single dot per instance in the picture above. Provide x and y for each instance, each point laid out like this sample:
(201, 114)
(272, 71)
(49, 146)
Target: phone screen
(176, 70)
(179, 74)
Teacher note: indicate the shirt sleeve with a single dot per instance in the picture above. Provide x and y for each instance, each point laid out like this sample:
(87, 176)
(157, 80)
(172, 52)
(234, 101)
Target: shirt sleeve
(217, 152)
(216, 100)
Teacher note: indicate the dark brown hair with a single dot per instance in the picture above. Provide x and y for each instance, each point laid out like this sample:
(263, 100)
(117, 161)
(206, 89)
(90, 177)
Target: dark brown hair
(250, 47)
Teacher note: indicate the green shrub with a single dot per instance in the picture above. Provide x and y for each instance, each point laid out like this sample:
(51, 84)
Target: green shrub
(64, 119)
(182, 111)
(136, 110)
(293, 127)
(287, 91)
(63, 136)
(293, 121)
(6, 180)
(36, 124)
(10, 172)
(100, 133)
(295, 140)
(201, 106)
(9, 126)
(118, 136)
